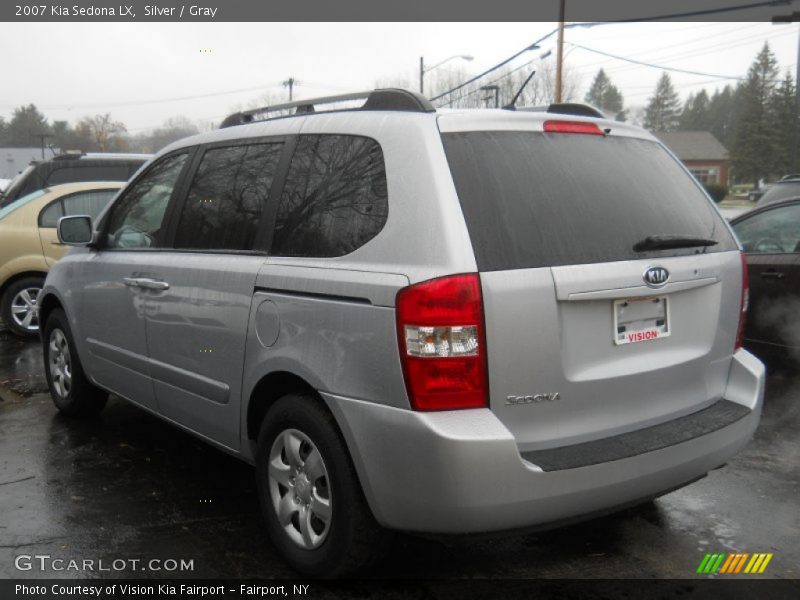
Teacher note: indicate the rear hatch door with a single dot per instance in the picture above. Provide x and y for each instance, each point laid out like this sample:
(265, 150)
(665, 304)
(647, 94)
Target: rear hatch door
(592, 331)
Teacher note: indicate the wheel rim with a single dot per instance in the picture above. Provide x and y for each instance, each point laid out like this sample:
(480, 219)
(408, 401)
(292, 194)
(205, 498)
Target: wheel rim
(59, 363)
(299, 488)
(24, 310)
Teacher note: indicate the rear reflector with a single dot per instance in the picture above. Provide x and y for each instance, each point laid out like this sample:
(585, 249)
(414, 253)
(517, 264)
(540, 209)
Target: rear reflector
(572, 127)
(744, 304)
(440, 334)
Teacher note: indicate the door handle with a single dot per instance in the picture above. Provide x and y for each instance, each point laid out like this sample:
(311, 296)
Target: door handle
(144, 282)
(771, 275)
(152, 284)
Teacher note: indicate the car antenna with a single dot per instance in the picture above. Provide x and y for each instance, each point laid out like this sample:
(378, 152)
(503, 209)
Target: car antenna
(512, 105)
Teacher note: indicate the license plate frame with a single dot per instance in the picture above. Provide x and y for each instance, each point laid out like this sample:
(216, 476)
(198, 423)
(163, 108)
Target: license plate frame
(643, 319)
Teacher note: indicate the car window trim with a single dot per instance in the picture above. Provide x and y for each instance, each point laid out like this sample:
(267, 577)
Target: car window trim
(190, 151)
(179, 201)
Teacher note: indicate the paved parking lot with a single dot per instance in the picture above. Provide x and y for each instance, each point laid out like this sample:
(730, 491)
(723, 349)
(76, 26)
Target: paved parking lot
(127, 485)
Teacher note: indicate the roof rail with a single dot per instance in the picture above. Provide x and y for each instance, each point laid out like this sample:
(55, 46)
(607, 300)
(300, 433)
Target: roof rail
(567, 108)
(382, 99)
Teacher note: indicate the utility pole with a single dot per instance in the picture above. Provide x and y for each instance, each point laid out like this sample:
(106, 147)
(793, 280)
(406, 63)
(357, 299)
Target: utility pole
(41, 137)
(560, 52)
(421, 75)
(290, 83)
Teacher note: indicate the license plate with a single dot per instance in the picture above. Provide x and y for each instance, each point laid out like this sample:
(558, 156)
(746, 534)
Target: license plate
(641, 319)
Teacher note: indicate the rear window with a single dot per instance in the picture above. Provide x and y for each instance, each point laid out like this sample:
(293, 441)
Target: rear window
(535, 200)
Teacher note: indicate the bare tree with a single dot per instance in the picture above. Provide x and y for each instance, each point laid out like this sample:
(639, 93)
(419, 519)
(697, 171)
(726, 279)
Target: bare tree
(104, 133)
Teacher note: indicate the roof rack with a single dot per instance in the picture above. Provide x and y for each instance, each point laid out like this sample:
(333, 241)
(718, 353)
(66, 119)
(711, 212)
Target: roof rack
(382, 99)
(567, 108)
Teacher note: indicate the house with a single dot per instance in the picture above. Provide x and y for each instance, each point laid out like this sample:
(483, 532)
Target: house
(701, 152)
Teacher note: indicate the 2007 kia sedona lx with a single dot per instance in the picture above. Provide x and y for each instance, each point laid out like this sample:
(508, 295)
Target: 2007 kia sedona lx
(431, 321)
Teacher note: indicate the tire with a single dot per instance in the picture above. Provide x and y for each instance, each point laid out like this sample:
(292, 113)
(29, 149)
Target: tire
(332, 541)
(72, 392)
(18, 306)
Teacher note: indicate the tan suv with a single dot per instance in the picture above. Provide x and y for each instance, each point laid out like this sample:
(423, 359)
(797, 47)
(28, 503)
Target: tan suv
(29, 245)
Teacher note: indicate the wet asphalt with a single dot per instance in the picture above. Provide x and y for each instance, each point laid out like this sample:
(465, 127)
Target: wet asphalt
(129, 486)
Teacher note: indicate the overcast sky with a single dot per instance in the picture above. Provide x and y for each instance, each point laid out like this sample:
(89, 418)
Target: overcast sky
(145, 73)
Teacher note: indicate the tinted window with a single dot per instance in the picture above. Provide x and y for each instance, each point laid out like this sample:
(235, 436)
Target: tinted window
(775, 231)
(534, 200)
(135, 221)
(334, 200)
(227, 197)
(71, 174)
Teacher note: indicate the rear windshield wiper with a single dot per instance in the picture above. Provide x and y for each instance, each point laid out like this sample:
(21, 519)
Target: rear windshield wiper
(666, 242)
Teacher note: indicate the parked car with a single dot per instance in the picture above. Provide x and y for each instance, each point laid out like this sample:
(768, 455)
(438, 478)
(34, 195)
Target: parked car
(29, 246)
(411, 319)
(72, 167)
(787, 187)
(770, 236)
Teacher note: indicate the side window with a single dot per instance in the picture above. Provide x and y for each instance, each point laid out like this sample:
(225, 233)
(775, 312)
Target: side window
(334, 199)
(88, 203)
(83, 203)
(51, 214)
(227, 196)
(775, 231)
(136, 219)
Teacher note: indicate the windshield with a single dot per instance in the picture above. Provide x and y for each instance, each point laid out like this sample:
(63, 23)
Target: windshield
(534, 200)
(13, 187)
(4, 212)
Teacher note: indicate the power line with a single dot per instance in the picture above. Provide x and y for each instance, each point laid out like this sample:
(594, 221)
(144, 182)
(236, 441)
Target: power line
(663, 68)
(703, 50)
(494, 81)
(497, 66)
(709, 11)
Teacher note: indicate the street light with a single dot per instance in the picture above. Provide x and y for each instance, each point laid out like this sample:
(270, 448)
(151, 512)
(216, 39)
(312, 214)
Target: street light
(423, 69)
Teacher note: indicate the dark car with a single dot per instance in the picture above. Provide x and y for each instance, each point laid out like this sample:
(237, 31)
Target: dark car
(72, 168)
(787, 187)
(770, 236)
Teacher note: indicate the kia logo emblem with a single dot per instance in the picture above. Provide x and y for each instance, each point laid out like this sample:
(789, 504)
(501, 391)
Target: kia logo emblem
(656, 277)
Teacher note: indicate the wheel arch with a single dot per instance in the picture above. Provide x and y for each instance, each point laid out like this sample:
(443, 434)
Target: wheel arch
(21, 275)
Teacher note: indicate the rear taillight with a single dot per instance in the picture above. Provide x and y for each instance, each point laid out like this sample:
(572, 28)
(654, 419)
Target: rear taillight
(744, 303)
(572, 127)
(440, 332)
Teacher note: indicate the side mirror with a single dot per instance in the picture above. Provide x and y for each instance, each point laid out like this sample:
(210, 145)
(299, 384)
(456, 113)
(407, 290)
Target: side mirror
(75, 230)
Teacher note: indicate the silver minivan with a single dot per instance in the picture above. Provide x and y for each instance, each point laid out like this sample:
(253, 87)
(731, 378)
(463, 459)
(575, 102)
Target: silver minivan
(409, 319)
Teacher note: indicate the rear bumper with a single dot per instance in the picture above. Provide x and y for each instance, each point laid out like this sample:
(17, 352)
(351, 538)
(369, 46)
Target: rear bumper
(462, 472)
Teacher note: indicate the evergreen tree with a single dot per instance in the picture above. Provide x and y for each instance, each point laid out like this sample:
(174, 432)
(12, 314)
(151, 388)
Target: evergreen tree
(723, 110)
(782, 115)
(753, 149)
(663, 108)
(696, 115)
(605, 96)
(25, 127)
